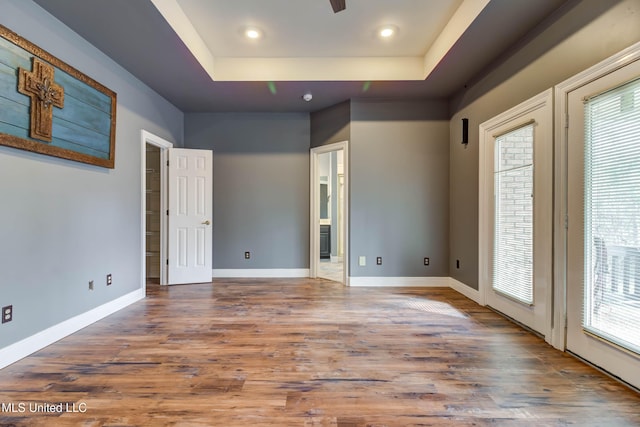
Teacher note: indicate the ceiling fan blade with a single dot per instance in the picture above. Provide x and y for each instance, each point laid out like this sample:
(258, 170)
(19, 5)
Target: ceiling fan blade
(338, 5)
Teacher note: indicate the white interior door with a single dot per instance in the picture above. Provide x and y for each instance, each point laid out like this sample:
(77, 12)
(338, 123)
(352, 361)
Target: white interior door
(516, 213)
(190, 237)
(603, 209)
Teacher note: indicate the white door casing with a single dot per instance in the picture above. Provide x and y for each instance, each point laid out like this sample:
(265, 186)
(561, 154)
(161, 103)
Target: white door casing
(190, 216)
(538, 112)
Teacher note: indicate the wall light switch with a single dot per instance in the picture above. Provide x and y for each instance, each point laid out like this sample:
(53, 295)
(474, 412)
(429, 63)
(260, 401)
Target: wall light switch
(362, 261)
(379, 260)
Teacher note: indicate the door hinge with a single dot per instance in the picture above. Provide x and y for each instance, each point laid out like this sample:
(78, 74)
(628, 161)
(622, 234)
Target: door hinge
(566, 121)
(167, 261)
(167, 162)
(167, 212)
(566, 222)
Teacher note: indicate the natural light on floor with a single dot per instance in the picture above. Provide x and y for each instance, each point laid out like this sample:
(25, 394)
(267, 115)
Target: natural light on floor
(435, 307)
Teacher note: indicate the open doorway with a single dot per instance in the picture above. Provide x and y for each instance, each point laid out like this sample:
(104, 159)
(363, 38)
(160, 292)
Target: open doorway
(153, 227)
(154, 204)
(329, 219)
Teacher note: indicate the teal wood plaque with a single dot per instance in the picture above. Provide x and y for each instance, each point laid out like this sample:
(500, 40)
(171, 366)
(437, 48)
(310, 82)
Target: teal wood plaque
(49, 107)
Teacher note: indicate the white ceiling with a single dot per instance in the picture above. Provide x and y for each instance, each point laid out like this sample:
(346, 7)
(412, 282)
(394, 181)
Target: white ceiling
(305, 40)
(309, 28)
(194, 54)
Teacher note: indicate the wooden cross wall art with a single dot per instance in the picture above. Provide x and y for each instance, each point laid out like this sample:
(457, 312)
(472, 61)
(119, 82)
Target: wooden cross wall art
(44, 93)
(49, 107)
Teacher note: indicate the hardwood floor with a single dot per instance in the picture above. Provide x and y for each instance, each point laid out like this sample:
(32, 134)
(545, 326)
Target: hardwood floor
(301, 352)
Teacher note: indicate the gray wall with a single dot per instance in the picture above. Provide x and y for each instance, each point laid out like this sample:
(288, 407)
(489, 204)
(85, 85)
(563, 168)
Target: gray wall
(65, 223)
(577, 37)
(399, 188)
(331, 125)
(260, 186)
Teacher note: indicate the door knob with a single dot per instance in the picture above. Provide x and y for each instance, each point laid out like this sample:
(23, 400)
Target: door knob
(206, 222)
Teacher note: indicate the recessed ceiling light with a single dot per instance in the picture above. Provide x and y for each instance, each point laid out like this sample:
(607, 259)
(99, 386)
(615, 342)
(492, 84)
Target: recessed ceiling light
(253, 33)
(387, 31)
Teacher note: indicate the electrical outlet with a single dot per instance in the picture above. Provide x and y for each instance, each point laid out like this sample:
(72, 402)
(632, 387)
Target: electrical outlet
(7, 314)
(247, 255)
(90, 285)
(379, 260)
(426, 260)
(109, 279)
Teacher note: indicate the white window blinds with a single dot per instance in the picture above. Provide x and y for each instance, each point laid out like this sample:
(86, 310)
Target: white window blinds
(612, 216)
(513, 232)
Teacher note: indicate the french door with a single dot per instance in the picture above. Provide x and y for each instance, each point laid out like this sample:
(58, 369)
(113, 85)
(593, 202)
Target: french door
(603, 234)
(516, 216)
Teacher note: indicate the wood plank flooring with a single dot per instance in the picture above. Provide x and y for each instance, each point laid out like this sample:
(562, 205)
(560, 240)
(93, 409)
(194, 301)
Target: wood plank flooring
(302, 352)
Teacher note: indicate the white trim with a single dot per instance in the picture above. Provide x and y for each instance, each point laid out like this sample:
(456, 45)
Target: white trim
(467, 291)
(259, 272)
(424, 282)
(27, 346)
(164, 145)
(561, 94)
(314, 208)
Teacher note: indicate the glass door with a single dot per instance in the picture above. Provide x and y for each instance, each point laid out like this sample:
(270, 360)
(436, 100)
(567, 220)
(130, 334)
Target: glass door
(603, 240)
(516, 213)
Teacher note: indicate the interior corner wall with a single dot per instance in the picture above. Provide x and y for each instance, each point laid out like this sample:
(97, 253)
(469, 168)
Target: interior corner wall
(399, 188)
(578, 36)
(64, 223)
(260, 187)
(330, 125)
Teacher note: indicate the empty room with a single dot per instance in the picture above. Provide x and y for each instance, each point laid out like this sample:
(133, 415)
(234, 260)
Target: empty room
(319, 212)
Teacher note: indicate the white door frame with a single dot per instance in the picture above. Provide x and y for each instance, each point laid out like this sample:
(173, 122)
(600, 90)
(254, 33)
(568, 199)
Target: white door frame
(164, 145)
(314, 209)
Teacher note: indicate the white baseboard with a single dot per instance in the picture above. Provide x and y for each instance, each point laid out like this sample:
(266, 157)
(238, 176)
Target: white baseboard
(430, 282)
(260, 272)
(467, 291)
(27, 346)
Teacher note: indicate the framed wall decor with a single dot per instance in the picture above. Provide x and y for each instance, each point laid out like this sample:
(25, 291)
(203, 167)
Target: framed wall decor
(49, 107)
